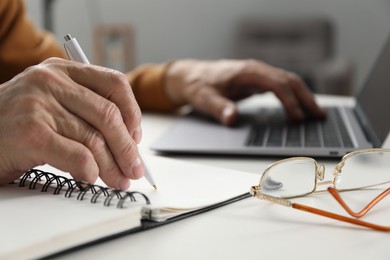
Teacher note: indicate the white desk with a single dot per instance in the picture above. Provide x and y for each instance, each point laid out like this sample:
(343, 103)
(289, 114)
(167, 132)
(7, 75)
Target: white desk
(249, 229)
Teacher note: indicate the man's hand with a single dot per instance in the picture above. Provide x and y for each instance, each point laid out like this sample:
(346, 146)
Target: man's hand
(79, 118)
(212, 86)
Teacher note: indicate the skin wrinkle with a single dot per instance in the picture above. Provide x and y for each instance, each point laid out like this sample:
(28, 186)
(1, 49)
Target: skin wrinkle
(91, 138)
(119, 83)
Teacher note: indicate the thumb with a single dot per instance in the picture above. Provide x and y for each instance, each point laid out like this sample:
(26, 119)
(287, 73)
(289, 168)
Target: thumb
(209, 101)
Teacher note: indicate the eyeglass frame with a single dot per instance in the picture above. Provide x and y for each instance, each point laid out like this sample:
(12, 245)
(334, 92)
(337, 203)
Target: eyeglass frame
(320, 175)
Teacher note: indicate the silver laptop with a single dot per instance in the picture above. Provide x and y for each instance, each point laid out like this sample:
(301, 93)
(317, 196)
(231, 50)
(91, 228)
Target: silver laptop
(267, 131)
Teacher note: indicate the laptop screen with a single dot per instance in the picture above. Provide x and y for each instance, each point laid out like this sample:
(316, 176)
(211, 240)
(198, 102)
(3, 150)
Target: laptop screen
(374, 99)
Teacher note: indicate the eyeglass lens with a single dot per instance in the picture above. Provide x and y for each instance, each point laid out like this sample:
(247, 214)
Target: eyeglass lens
(289, 178)
(364, 170)
(297, 177)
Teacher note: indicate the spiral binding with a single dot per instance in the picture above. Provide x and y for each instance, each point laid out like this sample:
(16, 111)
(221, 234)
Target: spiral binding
(71, 186)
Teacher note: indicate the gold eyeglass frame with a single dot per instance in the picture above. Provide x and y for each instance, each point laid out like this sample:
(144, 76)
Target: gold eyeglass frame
(319, 176)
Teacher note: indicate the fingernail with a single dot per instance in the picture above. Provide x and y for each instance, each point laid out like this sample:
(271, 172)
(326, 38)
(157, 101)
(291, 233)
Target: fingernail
(137, 169)
(137, 135)
(123, 183)
(227, 113)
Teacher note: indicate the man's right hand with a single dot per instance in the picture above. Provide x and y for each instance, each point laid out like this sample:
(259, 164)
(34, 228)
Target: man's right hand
(79, 118)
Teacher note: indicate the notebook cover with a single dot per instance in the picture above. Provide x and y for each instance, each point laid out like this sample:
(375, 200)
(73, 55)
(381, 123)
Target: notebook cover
(148, 224)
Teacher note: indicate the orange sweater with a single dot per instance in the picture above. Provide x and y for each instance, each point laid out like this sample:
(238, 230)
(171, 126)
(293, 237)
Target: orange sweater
(22, 45)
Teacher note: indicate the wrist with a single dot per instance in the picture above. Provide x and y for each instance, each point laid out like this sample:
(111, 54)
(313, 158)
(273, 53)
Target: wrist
(176, 79)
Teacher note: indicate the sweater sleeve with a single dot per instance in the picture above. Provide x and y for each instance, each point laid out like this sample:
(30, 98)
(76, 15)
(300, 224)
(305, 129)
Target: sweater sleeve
(21, 44)
(147, 83)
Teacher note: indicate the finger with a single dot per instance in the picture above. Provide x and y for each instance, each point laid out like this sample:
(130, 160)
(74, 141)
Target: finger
(66, 155)
(288, 87)
(290, 103)
(78, 130)
(106, 118)
(109, 84)
(306, 98)
(296, 98)
(279, 85)
(115, 87)
(208, 100)
(283, 89)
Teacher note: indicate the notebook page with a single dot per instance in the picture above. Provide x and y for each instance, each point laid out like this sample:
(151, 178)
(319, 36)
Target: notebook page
(184, 186)
(35, 223)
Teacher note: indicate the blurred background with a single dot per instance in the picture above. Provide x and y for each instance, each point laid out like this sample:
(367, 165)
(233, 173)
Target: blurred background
(332, 44)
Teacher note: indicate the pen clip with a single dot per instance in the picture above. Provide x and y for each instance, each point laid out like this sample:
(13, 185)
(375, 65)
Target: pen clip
(67, 51)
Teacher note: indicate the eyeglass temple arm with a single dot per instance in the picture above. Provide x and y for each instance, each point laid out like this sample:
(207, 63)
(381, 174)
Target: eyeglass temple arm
(339, 217)
(280, 201)
(316, 211)
(254, 191)
(363, 212)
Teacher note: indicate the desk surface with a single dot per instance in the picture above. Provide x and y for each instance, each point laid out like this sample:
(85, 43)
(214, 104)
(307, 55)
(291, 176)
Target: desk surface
(247, 229)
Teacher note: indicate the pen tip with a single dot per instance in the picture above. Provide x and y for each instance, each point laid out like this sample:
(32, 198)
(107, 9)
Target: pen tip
(155, 187)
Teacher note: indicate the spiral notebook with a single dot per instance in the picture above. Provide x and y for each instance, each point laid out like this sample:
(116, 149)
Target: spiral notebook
(46, 213)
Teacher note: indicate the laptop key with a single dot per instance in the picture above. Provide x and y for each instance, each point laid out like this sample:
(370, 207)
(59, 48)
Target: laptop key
(345, 137)
(256, 136)
(275, 137)
(293, 136)
(330, 134)
(312, 136)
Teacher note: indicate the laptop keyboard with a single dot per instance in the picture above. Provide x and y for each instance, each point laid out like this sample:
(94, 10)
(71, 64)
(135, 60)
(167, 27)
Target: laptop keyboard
(330, 132)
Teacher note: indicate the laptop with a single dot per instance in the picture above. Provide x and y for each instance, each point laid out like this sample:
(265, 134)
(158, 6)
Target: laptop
(267, 131)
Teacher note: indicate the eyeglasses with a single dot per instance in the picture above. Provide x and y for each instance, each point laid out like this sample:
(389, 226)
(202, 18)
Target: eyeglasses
(300, 176)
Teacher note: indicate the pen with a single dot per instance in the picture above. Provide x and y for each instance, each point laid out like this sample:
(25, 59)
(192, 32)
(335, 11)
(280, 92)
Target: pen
(75, 53)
